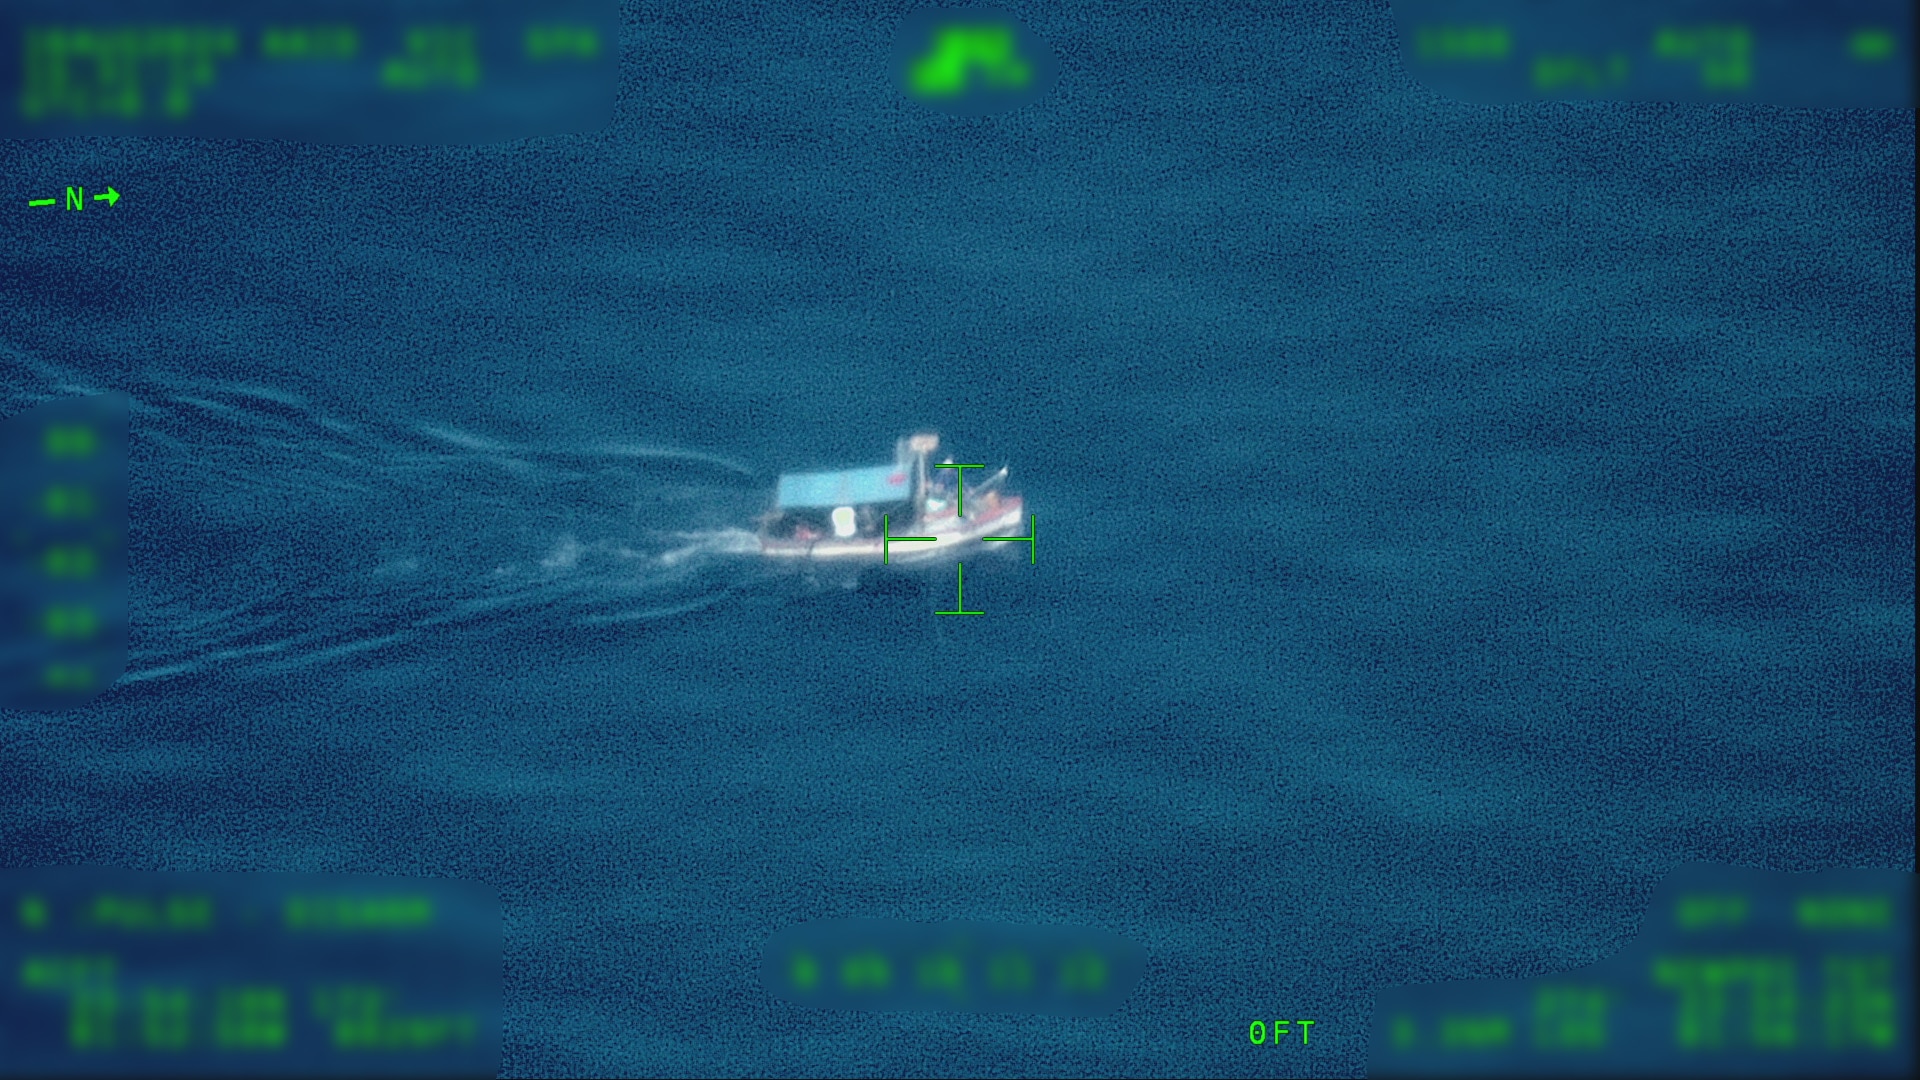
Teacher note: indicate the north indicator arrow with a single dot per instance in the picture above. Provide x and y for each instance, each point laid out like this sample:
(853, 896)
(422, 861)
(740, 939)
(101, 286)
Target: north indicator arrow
(74, 194)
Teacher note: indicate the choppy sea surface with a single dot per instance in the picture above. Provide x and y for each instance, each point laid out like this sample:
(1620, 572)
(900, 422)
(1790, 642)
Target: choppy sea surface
(1450, 519)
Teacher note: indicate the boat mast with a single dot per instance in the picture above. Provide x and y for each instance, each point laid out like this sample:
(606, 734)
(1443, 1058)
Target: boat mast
(920, 446)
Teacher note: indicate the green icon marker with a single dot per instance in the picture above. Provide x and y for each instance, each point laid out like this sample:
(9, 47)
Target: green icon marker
(957, 50)
(972, 63)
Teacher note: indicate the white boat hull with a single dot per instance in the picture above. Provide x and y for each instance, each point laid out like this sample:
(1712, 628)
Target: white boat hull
(952, 537)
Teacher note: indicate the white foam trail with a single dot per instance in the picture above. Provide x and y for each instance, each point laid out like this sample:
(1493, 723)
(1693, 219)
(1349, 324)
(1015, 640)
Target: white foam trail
(658, 613)
(337, 652)
(621, 450)
(460, 438)
(711, 542)
(564, 556)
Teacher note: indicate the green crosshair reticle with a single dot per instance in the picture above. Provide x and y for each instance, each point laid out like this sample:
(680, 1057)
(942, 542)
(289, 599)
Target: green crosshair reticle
(887, 539)
(1033, 531)
(960, 485)
(960, 569)
(960, 600)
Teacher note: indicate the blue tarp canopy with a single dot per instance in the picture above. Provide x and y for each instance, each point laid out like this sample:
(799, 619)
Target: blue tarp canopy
(845, 487)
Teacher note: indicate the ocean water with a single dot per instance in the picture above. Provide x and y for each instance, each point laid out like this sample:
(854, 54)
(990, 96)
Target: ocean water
(1450, 519)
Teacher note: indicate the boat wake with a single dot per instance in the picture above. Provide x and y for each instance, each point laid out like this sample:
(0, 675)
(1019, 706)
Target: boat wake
(269, 535)
(713, 542)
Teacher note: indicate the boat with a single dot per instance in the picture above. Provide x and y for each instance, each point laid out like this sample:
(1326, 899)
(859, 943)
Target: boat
(911, 511)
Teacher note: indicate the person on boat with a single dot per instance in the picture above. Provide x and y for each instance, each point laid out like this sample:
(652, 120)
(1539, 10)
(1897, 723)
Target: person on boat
(941, 487)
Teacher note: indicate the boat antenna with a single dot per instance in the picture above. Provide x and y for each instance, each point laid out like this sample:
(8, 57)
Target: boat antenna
(920, 446)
